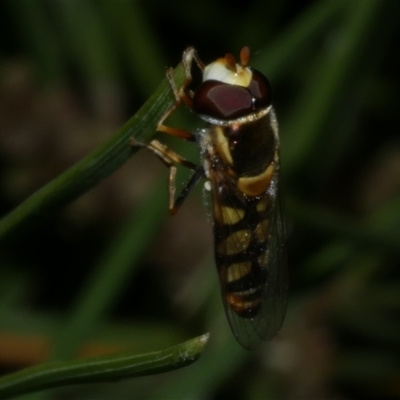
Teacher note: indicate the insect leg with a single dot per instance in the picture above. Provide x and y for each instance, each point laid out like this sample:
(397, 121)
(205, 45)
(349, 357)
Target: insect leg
(181, 133)
(193, 181)
(171, 160)
(181, 94)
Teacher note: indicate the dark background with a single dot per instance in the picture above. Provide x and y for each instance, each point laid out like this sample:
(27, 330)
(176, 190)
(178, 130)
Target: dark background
(72, 73)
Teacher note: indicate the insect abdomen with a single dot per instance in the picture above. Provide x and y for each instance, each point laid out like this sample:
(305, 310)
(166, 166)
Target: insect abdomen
(241, 246)
(243, 161)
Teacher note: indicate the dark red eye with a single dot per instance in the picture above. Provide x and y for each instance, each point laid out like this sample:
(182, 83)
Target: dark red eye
(260, 88)
(222, 101)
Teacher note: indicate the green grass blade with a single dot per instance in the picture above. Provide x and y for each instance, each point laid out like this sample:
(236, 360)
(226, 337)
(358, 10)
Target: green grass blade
(97, 165)
(103, 368)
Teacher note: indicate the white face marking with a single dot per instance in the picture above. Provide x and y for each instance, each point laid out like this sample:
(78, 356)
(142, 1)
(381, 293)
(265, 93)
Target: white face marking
(219, 71)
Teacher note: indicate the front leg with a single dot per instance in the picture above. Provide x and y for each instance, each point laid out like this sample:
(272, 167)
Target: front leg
(182, 94)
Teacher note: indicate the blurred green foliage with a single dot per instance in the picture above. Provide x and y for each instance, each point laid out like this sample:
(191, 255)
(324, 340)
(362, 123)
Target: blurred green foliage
(112, 272)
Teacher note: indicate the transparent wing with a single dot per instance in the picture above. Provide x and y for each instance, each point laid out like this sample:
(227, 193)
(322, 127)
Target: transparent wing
(251, 260)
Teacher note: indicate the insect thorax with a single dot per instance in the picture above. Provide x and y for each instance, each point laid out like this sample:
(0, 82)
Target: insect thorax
(246, 149)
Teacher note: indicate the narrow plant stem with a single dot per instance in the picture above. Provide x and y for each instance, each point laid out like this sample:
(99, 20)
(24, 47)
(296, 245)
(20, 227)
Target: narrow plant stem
(96, 166)
(100, 369)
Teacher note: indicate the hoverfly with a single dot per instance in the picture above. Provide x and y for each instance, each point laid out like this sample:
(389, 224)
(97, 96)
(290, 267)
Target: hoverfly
(240, 153)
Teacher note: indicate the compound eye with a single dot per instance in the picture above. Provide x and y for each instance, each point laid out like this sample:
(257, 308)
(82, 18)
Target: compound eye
(222, 101)
(260, 89)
